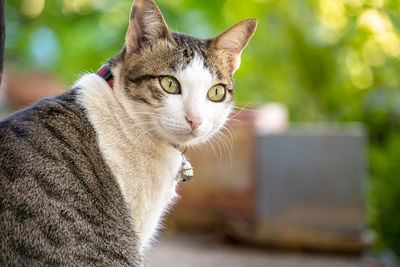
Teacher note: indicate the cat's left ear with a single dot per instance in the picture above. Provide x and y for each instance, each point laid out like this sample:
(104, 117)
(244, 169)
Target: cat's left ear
(146, 25)
(234, 40)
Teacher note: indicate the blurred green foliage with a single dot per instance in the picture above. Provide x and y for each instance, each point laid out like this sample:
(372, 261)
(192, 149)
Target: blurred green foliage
(327, 60)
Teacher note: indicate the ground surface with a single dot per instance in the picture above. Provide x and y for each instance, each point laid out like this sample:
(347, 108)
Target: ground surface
(195, 250)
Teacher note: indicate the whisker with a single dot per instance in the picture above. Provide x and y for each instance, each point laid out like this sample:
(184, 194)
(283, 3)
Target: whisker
(230, 131)
(244, 108)
(227, 144)
(240, 122)
(215, 139)
(240, 111)
(212, 147)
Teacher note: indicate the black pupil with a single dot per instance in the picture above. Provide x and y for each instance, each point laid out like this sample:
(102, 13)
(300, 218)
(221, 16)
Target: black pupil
(170, 83)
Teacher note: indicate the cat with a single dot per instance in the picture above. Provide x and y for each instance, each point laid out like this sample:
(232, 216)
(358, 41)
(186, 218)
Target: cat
(85, 177)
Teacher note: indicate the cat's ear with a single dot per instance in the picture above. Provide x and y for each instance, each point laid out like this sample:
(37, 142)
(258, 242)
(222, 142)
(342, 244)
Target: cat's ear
(235, 39)
(146, 24)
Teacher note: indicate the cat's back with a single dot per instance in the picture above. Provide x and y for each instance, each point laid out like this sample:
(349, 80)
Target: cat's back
(59, 203)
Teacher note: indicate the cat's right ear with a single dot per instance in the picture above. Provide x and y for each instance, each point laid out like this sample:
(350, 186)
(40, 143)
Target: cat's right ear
(146, 24)
(234, 40)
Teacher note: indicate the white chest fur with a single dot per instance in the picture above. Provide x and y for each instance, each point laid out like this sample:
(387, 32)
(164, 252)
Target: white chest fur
(144, 168)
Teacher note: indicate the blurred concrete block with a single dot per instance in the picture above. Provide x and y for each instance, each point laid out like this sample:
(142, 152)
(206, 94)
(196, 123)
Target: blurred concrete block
(302, 173)
(310, 189)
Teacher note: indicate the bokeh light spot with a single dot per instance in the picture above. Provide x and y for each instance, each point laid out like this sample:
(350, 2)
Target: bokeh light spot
(44, 47)
(332, 13)
(360, 73)
(32, 8)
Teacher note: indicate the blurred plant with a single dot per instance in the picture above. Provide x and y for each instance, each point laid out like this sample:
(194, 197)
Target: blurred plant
(334, 60)
(385, 191)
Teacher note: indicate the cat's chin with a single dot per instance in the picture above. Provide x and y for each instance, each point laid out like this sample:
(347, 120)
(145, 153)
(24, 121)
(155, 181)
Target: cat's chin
(186, 139)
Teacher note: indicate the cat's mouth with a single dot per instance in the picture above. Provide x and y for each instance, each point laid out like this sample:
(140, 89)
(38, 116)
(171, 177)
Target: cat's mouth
(179, 134)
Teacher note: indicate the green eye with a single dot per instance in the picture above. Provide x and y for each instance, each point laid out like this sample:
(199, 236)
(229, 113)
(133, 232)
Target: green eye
(217, 93)
(170, 85)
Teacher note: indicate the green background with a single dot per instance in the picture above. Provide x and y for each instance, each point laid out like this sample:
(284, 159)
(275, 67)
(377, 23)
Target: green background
(327, 60)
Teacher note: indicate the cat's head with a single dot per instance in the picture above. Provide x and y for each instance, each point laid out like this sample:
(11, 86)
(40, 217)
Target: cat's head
(178, 87)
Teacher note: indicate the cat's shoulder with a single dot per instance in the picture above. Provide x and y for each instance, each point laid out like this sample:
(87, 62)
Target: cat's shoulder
(46, 108)
(61, 112)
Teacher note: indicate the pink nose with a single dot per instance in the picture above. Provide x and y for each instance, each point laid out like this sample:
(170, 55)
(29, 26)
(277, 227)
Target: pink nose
(193, 122)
